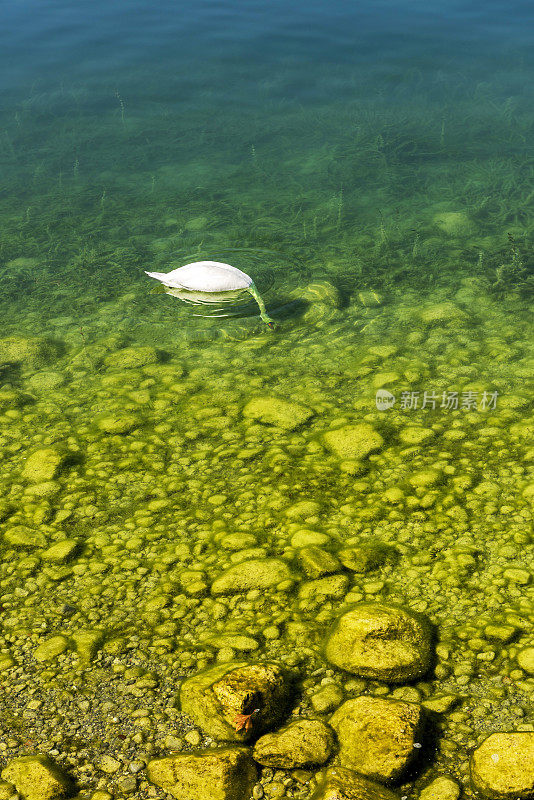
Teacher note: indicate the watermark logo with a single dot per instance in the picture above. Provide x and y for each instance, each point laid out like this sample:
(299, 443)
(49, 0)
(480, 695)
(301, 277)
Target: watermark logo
(384, 400)
(448, 400)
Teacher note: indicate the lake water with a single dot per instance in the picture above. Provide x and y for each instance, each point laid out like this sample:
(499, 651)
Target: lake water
(184, 489)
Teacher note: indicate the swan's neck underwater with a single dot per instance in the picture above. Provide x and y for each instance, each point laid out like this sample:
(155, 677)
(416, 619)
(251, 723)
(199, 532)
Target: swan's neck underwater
(263, 311)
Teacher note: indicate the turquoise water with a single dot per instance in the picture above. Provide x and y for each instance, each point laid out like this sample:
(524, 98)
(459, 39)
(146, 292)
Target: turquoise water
(370, 166)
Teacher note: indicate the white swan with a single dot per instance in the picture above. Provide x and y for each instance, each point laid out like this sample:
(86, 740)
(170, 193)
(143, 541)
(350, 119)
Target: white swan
(210, 282)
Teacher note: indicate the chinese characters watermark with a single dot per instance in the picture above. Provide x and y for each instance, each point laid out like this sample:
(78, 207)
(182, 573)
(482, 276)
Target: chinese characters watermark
(447, 400)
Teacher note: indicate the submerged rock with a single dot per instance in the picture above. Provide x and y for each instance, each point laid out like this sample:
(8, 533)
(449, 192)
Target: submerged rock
(38, 778)
(44, 464)
(307, 538)
(117, 424)
(21, 536)
(61, 551)
(442, 788)
(303, 743)
(316, 561)
(277, 412)
(88, 643)
(253, 574)
(415, 434)
(318, 590)
(503, 766)
(30, 352)
(340, 783)
(323, 299)
(51, 649)
(375, 640)
(320, 292)
(11, 399)
(441, 313)
(353, 441)
(377, 736)
(131, 358)
(453, 223)
(214, 698)
(225, 774)
(46, 381)
(366, 556)
(327, 698)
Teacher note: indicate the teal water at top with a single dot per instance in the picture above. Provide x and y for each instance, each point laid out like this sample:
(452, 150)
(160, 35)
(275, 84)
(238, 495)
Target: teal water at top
(316, 130)
(98, 41)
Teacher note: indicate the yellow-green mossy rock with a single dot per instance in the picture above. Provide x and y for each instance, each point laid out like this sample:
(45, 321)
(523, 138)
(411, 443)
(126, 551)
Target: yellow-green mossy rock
(442, 788)
(385, 379)
(375, 640)
(46, 381)
(424, 477)
(441, 313)
(31, 352)
(6, 661)
(88, 643)
(280, 413)
(377, 735)
(318, 590)
(7, 790)
(116, 424)
(38, 778)
(12, 398)
(44, 464)
(21, 536)
(303, 743)
(327, 698)
(340, 783)
(353, 441)
(236, 641)
(258, 573)
(316, 562)
(415, 434)
(225, 774)
(303, 510)
(307, 538)
(215, 697)
(525, 659)
(51, 649)
(503, 766)
(61, 551)
(367, 556)
(131, 358)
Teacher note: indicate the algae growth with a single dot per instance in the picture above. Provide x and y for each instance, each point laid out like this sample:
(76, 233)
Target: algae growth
(196, 514)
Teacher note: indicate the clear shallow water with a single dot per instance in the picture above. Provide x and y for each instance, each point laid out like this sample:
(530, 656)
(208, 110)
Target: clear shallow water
(376, 162)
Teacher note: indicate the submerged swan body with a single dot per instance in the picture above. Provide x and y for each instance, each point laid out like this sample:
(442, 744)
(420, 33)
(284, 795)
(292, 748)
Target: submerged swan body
(210, 282)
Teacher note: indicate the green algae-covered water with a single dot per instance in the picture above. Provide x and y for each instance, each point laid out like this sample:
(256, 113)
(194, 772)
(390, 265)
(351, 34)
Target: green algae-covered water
(244, 563)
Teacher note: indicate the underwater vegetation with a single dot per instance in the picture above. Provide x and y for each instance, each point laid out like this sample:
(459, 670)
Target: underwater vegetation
(514, 275)
(198, 516)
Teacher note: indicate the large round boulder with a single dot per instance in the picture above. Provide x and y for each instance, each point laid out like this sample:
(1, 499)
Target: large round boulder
(379, 641)
(217, 699)
(227, 773)
(340, 783)
(502, 767)
(302, 743)
(378, 737)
